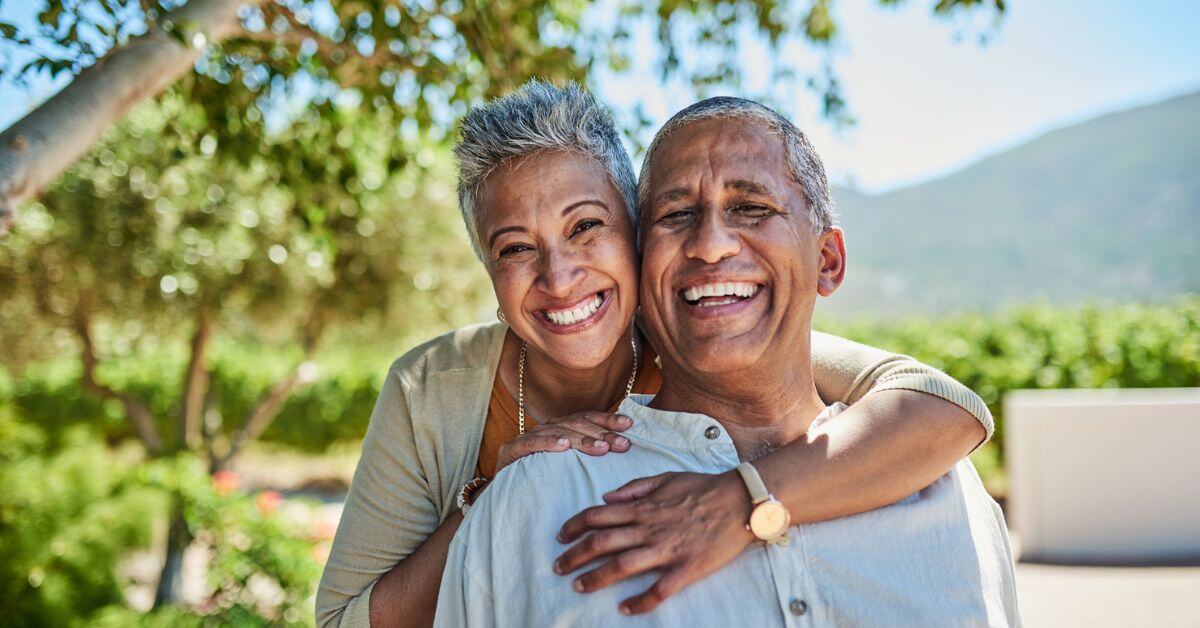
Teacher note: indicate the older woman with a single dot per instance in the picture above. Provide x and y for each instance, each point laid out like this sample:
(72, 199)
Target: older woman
(547, 193)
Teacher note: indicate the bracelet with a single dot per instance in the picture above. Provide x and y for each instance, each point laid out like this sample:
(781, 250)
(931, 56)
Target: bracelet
(468, 491)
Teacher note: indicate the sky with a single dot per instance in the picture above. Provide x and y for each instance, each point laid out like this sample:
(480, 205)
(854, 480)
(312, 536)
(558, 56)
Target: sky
(926, 102)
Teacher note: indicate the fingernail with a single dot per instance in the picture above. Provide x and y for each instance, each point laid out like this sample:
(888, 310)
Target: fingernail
(622, 441)
(558, 568)
(577, 585)
(624, 609)
(562, 442)
(624, 420)
(600, 443)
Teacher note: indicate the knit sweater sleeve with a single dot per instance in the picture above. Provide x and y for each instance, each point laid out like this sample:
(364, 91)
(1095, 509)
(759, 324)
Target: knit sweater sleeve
(388, 513)
(846, 371)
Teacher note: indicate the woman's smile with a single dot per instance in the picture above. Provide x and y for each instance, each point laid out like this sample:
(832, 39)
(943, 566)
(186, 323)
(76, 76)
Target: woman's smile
(576, 316)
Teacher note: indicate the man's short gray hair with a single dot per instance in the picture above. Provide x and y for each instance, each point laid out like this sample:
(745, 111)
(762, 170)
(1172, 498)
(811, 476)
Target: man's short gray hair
(537, 116)
(805, 165)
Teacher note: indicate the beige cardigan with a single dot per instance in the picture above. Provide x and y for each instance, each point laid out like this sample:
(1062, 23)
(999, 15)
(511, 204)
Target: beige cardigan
(423, 441)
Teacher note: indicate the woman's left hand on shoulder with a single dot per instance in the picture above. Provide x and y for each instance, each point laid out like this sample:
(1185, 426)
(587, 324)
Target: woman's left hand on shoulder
(685, 525)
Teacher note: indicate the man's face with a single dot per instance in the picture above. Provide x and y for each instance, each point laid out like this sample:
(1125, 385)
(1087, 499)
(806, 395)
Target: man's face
(731, 266)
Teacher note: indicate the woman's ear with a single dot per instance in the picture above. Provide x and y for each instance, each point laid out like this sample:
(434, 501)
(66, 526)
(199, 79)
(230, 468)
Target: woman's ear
(832, 268)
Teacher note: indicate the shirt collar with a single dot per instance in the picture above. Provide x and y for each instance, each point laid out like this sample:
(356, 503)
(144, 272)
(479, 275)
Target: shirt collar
(687, 430)
(681, 430)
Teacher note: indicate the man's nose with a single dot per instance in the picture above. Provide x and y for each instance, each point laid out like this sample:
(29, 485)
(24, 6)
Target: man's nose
(560, 272)
(712, 240)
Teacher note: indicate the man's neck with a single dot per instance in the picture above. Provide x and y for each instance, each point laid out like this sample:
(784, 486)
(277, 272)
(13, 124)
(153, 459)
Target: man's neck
(763, 408)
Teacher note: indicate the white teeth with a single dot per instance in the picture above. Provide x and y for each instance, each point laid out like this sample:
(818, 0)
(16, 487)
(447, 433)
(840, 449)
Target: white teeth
(740, 289)
(572, 316)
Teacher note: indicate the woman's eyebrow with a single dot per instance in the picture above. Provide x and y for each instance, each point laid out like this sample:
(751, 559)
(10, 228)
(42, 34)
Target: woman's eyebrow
(589, 201)
(503, 230)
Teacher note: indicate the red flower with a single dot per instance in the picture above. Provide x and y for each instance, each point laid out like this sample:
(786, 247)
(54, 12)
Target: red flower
(225, 482)
(268, 501)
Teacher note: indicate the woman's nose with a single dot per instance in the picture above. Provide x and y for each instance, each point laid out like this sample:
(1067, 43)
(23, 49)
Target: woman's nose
(560, 273)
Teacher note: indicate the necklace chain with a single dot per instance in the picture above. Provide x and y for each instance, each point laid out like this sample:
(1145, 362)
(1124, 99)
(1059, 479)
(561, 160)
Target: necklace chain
(521, 379)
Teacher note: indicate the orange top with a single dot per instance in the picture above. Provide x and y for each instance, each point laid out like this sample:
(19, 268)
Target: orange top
(501, 424)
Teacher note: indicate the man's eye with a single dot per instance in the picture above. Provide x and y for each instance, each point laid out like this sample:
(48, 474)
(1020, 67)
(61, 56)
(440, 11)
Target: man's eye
(752, 211)
(513, 249)
(586, 225)
(676, 217)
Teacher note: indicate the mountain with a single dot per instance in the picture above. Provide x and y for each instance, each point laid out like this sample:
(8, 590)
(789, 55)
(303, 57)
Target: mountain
(1106, 210)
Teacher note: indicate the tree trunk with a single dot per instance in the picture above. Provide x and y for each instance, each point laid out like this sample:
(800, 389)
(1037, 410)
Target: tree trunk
(178, 539)
(138, 412)
(35, 150)
(195, 385)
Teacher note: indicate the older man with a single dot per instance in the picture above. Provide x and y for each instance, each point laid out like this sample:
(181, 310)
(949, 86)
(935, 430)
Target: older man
(738, 241)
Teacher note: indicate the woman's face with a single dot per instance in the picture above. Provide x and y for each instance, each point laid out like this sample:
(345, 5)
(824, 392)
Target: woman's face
(560, 250)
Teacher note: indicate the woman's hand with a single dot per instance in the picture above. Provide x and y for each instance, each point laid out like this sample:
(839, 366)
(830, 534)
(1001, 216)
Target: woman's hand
(593, 433)
(686, 525)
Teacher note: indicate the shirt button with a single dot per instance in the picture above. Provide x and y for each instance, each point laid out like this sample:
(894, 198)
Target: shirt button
(798, 606)
(712, 432)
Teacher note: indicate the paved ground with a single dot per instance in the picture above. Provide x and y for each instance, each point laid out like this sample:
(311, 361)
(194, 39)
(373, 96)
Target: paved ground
(1062, 597)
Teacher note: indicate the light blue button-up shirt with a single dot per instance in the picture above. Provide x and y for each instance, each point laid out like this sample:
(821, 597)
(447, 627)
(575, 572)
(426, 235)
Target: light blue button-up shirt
(939, 557)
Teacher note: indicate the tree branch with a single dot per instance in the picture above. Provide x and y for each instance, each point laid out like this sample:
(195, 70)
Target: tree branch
(139, 413)
(263, 412)
(38, 147)
(195, 384)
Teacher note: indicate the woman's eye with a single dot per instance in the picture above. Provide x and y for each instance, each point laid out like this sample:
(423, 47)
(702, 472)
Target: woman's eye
(586, 225)
(513, 249)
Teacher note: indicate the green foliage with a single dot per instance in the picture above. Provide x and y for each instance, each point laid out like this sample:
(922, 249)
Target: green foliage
(69, 513)
(66, 518)
(1129, 346)
(426, 61)
(246, 544)
(1134, 346)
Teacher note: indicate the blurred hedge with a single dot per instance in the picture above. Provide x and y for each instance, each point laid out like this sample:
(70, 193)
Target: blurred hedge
(1126, 346)
(69, 514)
(1132, 346)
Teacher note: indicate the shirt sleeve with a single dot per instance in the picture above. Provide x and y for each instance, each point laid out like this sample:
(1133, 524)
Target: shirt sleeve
(465, 599)
(846, 371)
(388, 513)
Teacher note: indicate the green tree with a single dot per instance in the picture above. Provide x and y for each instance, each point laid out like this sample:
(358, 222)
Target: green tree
(159, 235)
(424, 60)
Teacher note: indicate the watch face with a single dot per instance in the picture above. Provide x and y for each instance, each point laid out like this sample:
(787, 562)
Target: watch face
(769, 520)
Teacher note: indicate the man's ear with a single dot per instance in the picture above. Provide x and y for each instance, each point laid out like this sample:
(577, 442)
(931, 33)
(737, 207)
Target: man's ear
(832, 268)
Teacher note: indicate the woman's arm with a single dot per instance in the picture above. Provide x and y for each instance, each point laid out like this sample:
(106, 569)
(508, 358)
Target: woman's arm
(388, 514)
(847, 371)
(883, 448)
(407, 596)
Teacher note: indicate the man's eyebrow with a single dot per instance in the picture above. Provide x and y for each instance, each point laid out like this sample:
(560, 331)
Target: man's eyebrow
(503, 230)
(748, 187)
(674, 194)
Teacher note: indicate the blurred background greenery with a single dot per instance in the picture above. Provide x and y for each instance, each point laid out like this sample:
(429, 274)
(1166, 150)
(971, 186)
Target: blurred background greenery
(197, 315)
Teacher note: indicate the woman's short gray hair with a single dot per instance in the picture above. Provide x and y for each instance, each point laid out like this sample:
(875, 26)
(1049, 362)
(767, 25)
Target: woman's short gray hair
(537, 116)
(803, 160)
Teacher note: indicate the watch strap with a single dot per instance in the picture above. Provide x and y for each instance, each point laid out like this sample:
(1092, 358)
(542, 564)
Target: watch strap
(754, 484)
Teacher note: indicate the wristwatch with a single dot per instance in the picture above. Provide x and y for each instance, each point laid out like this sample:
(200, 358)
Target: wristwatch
(769, 518)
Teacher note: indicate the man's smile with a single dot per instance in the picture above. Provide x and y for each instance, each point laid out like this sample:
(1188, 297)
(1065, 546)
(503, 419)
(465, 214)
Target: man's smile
(715, 297)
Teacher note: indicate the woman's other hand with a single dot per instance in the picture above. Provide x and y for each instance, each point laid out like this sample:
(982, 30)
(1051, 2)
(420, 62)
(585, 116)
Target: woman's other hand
(593, 433)
(684, 525)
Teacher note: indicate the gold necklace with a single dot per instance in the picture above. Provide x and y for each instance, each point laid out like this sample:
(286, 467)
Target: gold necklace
(521, 379)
